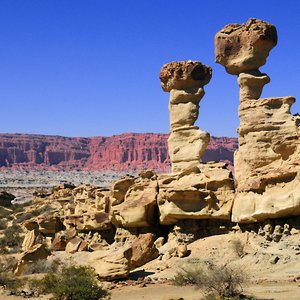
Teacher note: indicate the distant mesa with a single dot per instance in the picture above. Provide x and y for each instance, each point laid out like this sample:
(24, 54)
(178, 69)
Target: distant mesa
(128, 151)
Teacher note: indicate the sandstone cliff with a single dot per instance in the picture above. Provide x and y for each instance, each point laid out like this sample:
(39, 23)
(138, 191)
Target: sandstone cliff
(127, 151)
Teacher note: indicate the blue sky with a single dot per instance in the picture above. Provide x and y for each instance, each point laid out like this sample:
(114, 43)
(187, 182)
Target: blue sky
(91, 67)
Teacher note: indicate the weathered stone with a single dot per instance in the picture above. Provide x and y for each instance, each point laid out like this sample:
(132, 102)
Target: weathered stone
(59, 242)
(111, 264)
(266, 163)
(119, 189)
(267, 168)
(242, 48)
(49, 224)
(183, 75)
(36, 252)
(186, 143)
(143, 250)
(32, 237)
(204, 191)
(84, 245)
(139, 206)
(73, 245)
(186, 147)
(182, 250)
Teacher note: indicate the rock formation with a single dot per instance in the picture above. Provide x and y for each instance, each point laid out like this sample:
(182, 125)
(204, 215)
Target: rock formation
(185, 80)
(204, 191)
(130, 151)
(267, 161)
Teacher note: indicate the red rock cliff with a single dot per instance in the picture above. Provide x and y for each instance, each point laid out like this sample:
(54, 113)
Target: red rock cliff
(127, 151)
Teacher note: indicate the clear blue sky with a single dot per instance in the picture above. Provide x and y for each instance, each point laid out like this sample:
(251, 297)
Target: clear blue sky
(90, 67)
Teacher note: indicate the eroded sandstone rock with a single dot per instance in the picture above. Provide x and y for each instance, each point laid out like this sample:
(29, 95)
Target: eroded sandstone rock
(139, 206)
(111, 264)
(267, 160)
(143, 250)
(241, 48)
(204, 191)
(185, 80)
(183, 75)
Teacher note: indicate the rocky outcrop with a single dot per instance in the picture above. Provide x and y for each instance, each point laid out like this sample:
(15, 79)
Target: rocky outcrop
(204, 191)
(139, 206)
(130, 151)
(185, 80)
(267, 161)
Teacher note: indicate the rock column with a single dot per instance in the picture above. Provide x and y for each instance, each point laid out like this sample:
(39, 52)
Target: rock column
(267, 162)
(185, 80)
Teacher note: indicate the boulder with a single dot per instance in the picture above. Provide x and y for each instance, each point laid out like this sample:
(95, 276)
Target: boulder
(243, 48)
(73, 245)
(59, 242)
(143, 250)
(183, 75)
(32, 237)
(111, 264)
(49, 224)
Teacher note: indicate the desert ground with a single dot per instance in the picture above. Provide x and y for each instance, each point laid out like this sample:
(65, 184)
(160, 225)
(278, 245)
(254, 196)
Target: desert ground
(271, 268)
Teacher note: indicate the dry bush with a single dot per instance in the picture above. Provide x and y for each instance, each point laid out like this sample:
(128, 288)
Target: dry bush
(42, 266)
(238, 247)
(217, 282)
(189, 274)
(7, 279)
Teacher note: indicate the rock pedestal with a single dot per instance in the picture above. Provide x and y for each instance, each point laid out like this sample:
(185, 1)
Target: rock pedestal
(185, 80)
(267, 161)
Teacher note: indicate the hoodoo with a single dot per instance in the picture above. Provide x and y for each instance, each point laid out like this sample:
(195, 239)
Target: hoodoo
(185, 80)
(267, 160)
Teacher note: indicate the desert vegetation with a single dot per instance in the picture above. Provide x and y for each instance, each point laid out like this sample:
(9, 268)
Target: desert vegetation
(216, 281)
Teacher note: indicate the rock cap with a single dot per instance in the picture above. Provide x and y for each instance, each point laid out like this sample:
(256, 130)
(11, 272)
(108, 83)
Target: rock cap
(184, 75)
(242, 48)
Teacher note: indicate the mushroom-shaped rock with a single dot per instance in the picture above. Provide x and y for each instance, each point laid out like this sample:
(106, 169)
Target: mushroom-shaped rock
(243, 48)
(184, 75)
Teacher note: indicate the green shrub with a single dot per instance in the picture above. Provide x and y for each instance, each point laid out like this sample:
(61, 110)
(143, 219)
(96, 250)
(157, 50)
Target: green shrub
(3, 224)
(11, 238)
(46, 285)
(218, 282)
(70, 283)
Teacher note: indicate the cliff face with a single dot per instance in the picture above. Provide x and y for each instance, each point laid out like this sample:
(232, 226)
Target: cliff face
(127, 151)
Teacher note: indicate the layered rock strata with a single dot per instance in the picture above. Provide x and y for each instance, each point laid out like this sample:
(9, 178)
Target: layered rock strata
(267, 161)
(185, 80)
(204, 191)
